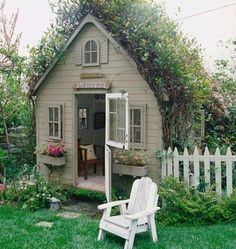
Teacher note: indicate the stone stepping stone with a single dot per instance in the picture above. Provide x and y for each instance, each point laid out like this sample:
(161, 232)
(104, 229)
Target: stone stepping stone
(45, 224)
(68, 215)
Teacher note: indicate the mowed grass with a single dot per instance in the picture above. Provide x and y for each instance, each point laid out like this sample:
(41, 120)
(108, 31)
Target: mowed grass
(18, 230)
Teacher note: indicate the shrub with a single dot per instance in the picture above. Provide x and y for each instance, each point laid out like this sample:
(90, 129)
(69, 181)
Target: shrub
(32, 191)
(90, 195)
(85, 194)
(182, 204)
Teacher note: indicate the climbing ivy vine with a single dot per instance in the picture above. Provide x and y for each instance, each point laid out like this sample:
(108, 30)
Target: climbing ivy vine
(170, 62)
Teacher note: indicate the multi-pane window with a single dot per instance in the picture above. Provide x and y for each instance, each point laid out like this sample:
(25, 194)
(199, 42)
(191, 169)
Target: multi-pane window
(117, 120)
(91, 53)
(55, 121)
(138, 126)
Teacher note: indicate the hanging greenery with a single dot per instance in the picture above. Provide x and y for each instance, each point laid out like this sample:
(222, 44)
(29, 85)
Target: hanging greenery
(170, 62)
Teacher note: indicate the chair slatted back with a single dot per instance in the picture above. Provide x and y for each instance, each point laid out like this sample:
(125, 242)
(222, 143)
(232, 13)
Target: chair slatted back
(143, 195)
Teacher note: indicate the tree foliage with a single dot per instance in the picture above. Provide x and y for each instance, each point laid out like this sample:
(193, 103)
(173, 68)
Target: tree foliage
(11, 68)
(169, 61)
(15, 107)
(221, 111)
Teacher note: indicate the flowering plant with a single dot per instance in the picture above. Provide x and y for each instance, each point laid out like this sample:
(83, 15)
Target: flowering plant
(51, 148)
(130, 157)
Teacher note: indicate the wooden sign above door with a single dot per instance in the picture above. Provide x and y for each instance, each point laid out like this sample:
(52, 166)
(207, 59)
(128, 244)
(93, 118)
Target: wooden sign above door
(92, 85)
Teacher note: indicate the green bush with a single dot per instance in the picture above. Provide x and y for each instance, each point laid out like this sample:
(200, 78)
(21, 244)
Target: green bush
(32, 191)
(85, 194)
(181, 204)
(91, 195)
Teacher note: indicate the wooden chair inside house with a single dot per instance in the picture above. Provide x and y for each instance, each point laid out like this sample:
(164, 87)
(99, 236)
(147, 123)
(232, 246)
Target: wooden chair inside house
(137, 214)
(88, 157)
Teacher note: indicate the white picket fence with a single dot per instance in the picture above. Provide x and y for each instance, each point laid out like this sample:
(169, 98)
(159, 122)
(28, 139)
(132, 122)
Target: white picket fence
(192, 167)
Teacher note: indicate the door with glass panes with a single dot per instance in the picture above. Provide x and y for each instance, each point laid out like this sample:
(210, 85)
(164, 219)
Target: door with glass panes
(117, 131)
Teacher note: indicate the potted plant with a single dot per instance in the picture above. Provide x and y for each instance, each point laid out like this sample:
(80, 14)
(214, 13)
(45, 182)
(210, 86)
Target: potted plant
(130, 162)
(51, 153)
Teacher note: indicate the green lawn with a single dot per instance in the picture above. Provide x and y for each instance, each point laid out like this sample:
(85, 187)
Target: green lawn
(18, 231)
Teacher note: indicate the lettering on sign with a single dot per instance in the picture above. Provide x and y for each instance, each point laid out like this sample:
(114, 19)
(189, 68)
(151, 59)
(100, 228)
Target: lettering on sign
(92, 85)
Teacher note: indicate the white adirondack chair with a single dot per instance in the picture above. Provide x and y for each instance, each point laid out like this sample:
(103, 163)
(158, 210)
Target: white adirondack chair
(136, 214)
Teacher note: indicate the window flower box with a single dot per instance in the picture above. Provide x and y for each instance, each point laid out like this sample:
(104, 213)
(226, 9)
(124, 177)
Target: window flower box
(130, 162)
(51, 153)
(51, 160)
(136, 171)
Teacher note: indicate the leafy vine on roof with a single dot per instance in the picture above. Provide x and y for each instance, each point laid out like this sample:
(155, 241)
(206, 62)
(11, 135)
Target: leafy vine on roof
(170, 62)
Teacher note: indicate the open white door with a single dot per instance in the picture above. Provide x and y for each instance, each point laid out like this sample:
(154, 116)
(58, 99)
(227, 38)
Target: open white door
(117, 131)
(108, 173)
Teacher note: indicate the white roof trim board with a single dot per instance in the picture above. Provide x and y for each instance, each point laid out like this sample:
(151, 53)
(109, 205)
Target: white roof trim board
(88, 19)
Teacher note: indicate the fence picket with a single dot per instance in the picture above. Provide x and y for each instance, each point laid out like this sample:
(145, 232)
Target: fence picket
(169, 162)
(218, 171)
(186, 165)
(176, 163)
(229, 178)
(163, 165)
(207, 167)
(196, 164)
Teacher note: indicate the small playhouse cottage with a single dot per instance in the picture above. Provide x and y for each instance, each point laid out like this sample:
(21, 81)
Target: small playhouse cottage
(95, 95)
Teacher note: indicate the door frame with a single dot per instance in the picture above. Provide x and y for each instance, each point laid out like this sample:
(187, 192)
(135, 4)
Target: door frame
(75, 127)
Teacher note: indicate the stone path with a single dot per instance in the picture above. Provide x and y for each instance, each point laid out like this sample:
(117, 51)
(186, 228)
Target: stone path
(68, 215)
(45, 224)
(82, 207)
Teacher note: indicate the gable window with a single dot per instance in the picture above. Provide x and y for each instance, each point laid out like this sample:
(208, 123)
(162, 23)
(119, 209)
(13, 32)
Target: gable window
(91, 53)
(55, 121)
(138, 126)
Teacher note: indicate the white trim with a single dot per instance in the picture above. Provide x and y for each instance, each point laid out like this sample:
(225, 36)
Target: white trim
(98, 53)
(88, 19)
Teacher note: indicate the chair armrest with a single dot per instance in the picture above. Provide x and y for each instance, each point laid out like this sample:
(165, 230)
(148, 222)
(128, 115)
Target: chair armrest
(112, 204)
(142, 214)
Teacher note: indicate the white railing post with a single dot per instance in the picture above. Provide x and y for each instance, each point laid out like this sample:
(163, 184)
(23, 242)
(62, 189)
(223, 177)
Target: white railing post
(186, 165)
(169, 162)
(176, 163)
(229, 172)
(196, 165)
(218, 171)
(163, 165)
(207, 175)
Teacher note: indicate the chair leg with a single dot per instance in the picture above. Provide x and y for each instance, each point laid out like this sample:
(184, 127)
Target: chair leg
(152, 228)
(101, 234)
(130, 241)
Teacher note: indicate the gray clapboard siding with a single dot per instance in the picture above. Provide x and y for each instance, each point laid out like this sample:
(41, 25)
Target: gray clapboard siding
(58, 87)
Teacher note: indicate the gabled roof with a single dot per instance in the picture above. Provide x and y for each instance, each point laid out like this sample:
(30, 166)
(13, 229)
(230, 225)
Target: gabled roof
(89, 18)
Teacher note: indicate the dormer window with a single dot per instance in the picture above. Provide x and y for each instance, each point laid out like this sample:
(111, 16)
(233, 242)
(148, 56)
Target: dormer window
(91, 53)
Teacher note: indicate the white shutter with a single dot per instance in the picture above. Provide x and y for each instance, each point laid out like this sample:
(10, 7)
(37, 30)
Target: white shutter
(78, 59)
(104, 50)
